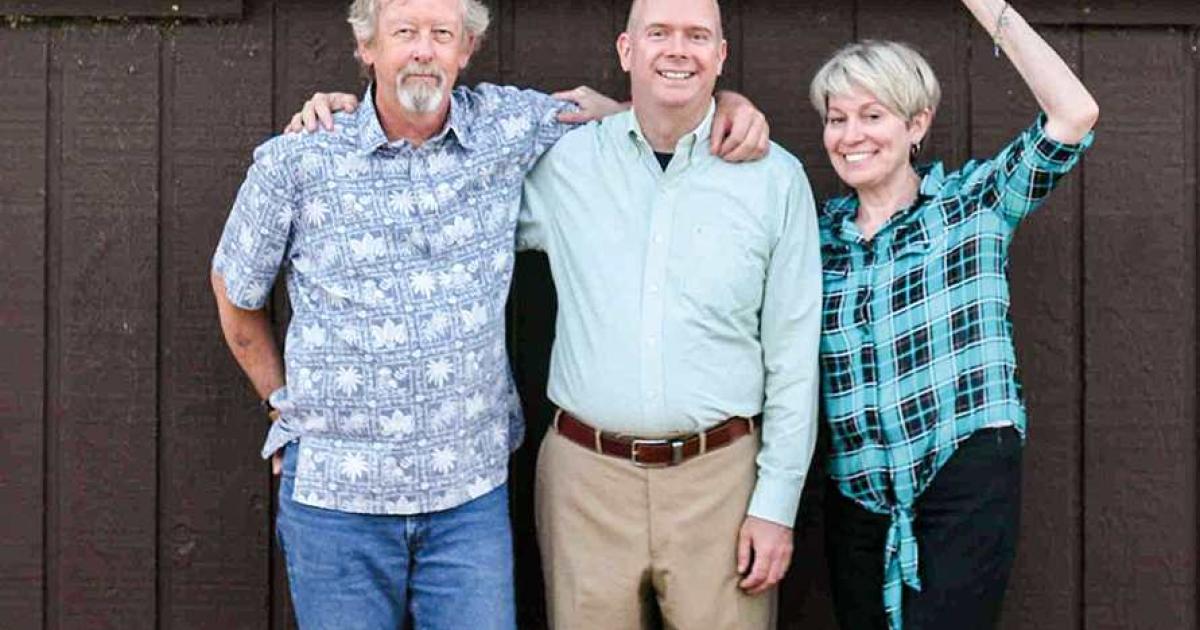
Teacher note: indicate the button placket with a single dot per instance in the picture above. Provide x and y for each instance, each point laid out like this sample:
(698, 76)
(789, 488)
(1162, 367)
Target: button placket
(653, 307)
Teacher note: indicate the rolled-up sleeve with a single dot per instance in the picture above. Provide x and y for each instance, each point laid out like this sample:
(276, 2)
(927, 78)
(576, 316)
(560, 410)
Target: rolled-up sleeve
(790, 335)
(258, 231)
(1029, 168)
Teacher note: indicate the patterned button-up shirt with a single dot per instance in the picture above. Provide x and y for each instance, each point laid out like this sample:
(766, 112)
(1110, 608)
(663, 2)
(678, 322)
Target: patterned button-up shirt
(916, 345)
(398, 261)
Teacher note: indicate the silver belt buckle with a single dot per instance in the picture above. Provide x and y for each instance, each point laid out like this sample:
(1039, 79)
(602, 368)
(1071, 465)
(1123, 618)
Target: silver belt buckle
(676, 452)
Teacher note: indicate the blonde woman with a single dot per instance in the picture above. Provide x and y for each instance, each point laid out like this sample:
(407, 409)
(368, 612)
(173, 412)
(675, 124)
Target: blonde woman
(918, 369)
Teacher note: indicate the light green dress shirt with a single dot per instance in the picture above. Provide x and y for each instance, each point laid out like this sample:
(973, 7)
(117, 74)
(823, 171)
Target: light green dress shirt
(684, 297)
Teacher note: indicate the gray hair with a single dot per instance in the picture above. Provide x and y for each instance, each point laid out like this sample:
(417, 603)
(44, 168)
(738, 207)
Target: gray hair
(364, 13)
(894, 73)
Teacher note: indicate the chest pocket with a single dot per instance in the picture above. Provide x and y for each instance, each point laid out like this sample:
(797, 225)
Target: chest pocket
(723, 271)
(839, 299)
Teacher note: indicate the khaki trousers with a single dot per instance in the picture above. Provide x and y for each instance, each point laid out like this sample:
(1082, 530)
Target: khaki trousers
(617, 539)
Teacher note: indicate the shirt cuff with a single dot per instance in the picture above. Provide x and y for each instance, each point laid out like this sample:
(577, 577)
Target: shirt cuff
(1055, 156)
(776, 499)
(282, 430)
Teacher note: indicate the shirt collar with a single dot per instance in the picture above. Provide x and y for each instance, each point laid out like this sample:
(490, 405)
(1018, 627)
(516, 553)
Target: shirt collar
(840, 212)
(688, 144)
(371, 136)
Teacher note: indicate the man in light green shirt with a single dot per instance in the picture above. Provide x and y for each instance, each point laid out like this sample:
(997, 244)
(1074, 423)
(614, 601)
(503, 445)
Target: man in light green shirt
(688, 300)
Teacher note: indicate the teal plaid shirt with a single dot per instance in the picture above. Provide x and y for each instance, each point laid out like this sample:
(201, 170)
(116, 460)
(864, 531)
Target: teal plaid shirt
(916, 344)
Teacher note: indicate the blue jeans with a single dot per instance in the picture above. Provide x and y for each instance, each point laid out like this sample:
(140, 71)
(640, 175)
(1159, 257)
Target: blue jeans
(450, 569)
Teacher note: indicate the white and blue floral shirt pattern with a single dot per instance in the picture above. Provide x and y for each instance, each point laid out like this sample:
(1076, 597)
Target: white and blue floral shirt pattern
(398, 261)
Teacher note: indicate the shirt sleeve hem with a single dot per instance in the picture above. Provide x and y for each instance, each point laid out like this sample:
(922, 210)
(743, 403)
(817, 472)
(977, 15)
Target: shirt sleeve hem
(776, 500)
(238, 291)
(1053, 154)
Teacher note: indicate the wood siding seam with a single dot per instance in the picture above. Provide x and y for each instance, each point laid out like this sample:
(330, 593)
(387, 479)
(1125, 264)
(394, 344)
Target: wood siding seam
(1081, 340)
(274, 558)
(163, 253)
(46, 356)
(53, 325)
(1193, 47)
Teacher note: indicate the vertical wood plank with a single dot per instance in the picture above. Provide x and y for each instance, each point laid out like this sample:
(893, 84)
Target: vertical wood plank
(23, 119)
(783, 45)
(1139, 254)
(941, 33)
(103, 500)
(215, 525)
(731, 23)
(1046, 281)
(314, 52)
(550, 46)
(485, 62)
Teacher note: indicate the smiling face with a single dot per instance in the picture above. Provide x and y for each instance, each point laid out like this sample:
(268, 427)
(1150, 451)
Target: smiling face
(868, 144)
(418, 49)
(673, 52)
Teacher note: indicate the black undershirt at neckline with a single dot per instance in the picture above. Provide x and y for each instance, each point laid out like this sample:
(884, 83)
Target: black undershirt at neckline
(664, 159)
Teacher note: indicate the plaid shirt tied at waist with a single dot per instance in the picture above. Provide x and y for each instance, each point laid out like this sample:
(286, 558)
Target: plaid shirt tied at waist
(916, 344)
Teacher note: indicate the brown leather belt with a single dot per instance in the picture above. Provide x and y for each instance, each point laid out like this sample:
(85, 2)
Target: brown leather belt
(651, 453)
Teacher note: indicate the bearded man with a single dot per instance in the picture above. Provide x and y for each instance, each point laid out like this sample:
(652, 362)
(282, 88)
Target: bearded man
(394, 407)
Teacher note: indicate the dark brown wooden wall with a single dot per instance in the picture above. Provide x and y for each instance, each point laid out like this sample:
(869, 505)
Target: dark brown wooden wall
(131, 492)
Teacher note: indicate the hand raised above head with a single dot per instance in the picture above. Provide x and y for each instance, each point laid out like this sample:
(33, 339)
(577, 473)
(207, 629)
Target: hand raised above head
(320, 108)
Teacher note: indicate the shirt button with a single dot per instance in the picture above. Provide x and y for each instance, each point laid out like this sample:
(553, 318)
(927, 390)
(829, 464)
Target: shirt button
(651, 340)
(658, 239)
(654, 288)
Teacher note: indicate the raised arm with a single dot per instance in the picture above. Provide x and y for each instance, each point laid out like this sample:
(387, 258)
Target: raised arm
(1071, 111)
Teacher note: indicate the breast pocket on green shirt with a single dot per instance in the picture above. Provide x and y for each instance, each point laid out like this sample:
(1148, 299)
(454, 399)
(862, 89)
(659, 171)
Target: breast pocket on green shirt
(723, 271)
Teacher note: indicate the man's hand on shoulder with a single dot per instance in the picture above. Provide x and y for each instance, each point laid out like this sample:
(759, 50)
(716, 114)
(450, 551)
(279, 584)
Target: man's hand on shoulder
(592, 105)
(764, 553)
(320, 108)
(740, 132)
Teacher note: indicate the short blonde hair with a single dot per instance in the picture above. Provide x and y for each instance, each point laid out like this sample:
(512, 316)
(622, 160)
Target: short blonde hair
(365, 13)
(894, 73)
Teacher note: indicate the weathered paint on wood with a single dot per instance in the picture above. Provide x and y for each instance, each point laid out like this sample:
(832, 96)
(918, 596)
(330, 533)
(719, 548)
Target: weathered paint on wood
(23, 118)
(1111, 12)
(1140, 344)
(1046, 291)
(313, 51)
(215, 508)
(784, 45)
(949, 140)
(581, 52)
(105, 450)
(124, 8)
(167, 525)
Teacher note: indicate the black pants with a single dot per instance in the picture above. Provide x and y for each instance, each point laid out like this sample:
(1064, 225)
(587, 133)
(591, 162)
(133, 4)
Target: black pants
(966, 526)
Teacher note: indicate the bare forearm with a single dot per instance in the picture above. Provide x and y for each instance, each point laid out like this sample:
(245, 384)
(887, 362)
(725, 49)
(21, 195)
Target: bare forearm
(249, 336)
(1070, 109)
